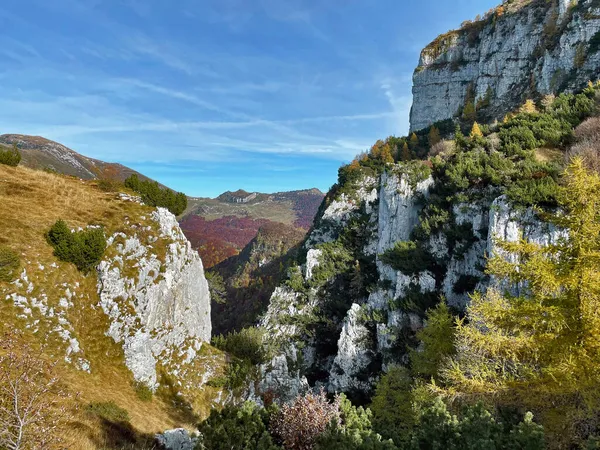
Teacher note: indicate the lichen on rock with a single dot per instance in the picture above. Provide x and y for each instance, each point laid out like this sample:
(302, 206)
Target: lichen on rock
(158, 306)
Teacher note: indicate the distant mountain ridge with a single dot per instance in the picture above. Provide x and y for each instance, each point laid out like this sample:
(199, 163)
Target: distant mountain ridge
(218, 228)
(221, 227)
(41, 153)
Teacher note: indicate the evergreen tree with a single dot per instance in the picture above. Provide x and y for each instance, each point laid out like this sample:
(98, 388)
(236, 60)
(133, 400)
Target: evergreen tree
(414, 141)
(538, 344)
(434, 136)
(405, 154)
(437, 338)
(10, 157)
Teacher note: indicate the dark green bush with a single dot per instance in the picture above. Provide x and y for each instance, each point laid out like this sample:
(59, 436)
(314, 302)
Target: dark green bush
(153, 195)
(542, 192)
(109, 411)
(474, 428)
(246, 344)
(243, 427)
(10, 157)
(517, 139)
(354, 432)
(465, 283)
(9, 264)
(83, 248)
(238, 374)
(409, 257)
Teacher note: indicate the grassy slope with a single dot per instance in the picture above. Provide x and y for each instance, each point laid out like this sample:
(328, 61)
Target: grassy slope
(30, 202)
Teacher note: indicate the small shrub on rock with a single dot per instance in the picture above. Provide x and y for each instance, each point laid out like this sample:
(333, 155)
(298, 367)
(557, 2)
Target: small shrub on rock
(10, 157)
(153, 195)
(409, 257)
(83, 248)
(246, 344)
(9, 264)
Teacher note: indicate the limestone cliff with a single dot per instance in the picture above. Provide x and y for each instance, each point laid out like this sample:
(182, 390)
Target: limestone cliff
(364, 331)
(521, 50)
(160, 312)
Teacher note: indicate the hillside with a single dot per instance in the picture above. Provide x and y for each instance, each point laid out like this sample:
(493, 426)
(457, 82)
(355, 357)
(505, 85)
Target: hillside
(43, 154)
(519, 50)
(221, 227)
(139, 322)
(251, 276)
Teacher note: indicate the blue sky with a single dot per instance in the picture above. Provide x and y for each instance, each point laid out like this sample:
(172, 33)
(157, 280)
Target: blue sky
(214, 95)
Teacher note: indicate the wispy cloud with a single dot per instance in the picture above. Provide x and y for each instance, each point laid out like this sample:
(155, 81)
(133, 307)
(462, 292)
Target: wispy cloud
(242, 89)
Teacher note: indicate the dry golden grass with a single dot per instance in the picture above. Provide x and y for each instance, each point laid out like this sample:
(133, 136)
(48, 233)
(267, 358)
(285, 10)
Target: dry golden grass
(548, 154)
(30, 202)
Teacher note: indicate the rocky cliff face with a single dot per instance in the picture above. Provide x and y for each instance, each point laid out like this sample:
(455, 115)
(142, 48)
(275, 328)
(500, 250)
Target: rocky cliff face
(518, 52)
(369, 331)
(151, 296)
(159, 308)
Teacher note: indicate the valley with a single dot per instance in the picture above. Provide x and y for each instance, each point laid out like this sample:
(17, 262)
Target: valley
(443, 294)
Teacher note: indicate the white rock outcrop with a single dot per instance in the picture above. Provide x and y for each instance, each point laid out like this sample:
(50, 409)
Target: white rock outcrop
(353, 355)
(159, 308)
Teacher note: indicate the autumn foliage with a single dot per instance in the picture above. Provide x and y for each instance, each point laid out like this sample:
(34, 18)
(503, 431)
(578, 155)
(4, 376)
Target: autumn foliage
(32, 404)
(301, 422)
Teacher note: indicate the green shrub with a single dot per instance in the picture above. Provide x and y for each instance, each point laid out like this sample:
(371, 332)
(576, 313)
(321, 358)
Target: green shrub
(9, 264)
(431, 219)
(109, 411)
(217, 287)
(474, 428)
(392, 405)
(246, 344)
(237, 428)
(416, 301)
(409, 257)
(335, 259)
(153, 195)
(542, 191)
(517, 139)
(10, 157)
(107, 185)
(353, 432)
(83, 248)
(437, 342)
(143, 392)
(238, 374)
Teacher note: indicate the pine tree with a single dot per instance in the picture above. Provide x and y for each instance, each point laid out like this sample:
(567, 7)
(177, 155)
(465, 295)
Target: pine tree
(414, 141)
(386, 154)
(434, 136)
(405, 154)
(469, 113)
(476, 131)
(542, 345)
(437, 338)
